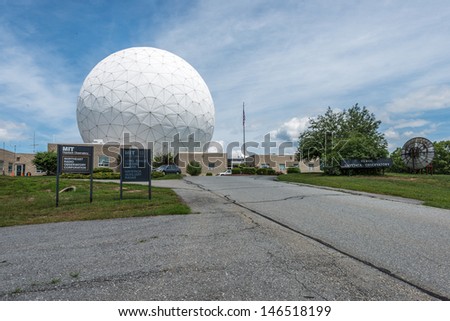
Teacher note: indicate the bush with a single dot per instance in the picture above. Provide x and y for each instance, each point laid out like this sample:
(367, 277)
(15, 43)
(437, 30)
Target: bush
(157, 174)
(103, 170)
(248, 170)
(194, 168)
(261, 171)
(293, 170)
(265, 171)
(235, 170)
(106, 175)
(209, 174)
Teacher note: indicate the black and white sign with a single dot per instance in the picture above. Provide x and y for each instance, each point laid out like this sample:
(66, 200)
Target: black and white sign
(75, 159)
(366, 163)
(135, 166)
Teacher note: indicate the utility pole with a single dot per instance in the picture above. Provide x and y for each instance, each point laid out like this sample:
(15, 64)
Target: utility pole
(34, 143)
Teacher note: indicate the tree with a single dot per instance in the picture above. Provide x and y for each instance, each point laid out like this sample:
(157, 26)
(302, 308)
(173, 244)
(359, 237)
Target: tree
(398, 165)
(46, 161)
(441, 161)
(334, 136)
(162, 159)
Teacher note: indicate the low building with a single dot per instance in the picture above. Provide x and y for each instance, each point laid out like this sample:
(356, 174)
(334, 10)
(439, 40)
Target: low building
(17, 164)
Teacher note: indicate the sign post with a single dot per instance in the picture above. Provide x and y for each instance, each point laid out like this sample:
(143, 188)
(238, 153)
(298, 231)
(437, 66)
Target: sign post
(135, 166)
(74, 159)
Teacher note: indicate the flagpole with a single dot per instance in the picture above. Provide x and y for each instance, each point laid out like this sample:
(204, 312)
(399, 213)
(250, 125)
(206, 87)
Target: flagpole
(243, 126)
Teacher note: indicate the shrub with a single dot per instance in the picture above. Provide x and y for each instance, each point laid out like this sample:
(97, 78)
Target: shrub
(235, 171)
(293, 170)
(261, 171)
(209, 174)
(106, 175)
(270, 171)
(157, 174)
(248, 170)
(194, 168)
(103, 170)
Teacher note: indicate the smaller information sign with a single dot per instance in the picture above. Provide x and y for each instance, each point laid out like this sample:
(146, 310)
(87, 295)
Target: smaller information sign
(135, 167)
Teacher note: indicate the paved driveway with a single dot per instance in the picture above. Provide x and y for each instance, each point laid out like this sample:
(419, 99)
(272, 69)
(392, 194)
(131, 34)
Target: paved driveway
(409, 241)
(222, 252)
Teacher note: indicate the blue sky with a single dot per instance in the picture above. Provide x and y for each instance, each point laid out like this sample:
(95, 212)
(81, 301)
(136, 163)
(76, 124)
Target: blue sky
(288, 60)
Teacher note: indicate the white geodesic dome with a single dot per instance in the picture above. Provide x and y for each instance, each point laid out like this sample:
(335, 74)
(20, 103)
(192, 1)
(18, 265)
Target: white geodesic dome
(147, 93)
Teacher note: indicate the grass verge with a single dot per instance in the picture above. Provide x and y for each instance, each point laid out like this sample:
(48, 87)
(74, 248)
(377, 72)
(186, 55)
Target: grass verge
(31, 200)
(433, 190)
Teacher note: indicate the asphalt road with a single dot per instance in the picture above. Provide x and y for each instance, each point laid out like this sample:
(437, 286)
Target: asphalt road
(406, 240)
(222, 252)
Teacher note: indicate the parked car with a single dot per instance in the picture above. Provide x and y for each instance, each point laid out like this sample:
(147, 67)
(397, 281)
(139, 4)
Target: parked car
(169, 169)
(227, 172)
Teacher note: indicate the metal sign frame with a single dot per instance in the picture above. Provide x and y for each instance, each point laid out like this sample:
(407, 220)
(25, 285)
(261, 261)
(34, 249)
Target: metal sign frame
(74, 159)
(135, 166)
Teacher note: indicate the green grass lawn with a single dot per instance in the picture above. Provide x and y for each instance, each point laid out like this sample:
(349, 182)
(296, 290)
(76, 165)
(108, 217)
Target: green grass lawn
(433, 190)
(31, 200)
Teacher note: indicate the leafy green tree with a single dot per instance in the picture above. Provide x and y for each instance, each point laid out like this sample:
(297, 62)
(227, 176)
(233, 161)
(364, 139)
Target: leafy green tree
(398, 165)
(441, 161)
(46, 161)
(162, 159)
(334, 136)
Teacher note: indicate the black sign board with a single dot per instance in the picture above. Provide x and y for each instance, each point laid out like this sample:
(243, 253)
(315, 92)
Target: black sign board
(74, 159)
(135, 167)
(366, 163)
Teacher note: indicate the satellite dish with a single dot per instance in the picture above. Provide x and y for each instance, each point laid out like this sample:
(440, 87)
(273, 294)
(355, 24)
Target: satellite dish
(417, 153)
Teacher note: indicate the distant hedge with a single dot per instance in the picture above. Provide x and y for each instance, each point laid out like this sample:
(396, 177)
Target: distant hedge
(248, 170)
(103, 170)
(265, 171)
(235, 170)
(293, 170)
(157, 174)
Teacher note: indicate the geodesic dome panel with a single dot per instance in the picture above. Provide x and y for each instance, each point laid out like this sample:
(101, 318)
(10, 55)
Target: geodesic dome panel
(149, 94)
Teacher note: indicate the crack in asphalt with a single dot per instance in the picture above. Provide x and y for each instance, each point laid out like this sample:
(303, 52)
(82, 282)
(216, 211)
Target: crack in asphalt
(299, 197)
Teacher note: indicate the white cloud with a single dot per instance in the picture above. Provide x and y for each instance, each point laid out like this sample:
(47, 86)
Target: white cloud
(391, 134)
(410, 123)
(11, 131)
(290, 130)
(33, 84)
(421, 100)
